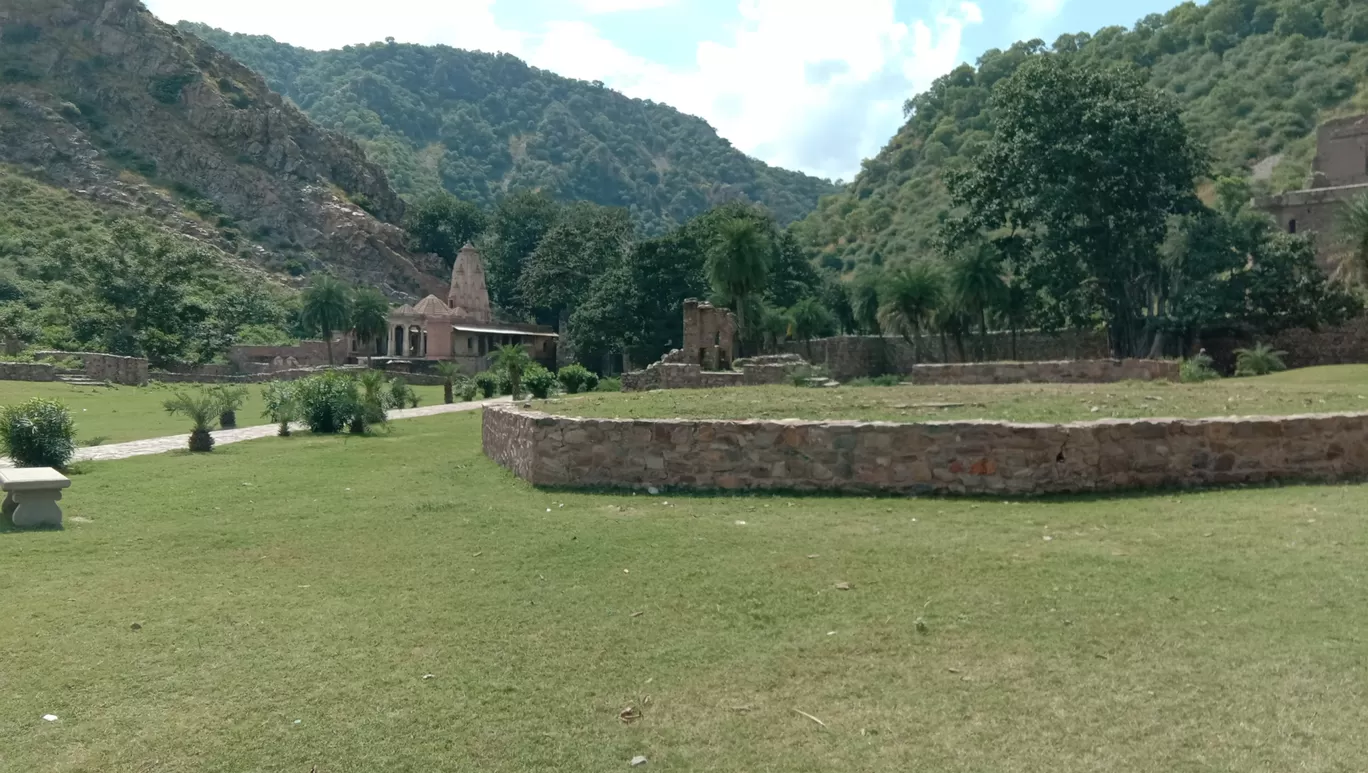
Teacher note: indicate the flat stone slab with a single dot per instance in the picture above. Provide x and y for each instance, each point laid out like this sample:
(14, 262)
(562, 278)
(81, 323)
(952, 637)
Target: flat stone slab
(31, 496)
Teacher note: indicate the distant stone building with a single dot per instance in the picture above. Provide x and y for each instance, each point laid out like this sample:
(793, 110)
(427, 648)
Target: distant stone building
(462, 329)
(1338, 175)
(709, 335)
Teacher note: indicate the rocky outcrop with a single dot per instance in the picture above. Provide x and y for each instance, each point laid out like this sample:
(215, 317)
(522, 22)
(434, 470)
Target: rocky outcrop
(100, 97)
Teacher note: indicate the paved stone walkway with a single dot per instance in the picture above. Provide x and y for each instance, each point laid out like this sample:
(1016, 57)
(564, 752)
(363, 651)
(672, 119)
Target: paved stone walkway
(161, 445)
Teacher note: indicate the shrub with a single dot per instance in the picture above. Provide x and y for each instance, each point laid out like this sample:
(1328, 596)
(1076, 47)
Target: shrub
(576, 378)
(1259, 361)
(402, 395)
(231, 399)
(38, 433)
(378, 395)
(610, 384)
(539, 381)
(201, 409)
(1197, 369)
(281, 405)
(487, 383)
(468, 390)
(328, 402)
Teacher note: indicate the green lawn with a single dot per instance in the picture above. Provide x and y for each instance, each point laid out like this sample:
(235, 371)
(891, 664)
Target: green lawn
(1312, 390)
(118, 414)
(293, 594)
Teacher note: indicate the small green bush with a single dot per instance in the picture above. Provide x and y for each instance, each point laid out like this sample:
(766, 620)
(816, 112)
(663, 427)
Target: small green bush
(282, 407)
(610, 384)
(1259, 361)
(231, 399)
(487, 383)
(328, 402)
(38, 433)
(468, 390)
(201, 408)
(539, 381)
(402, 395)
(1197, 369)
(576, 378)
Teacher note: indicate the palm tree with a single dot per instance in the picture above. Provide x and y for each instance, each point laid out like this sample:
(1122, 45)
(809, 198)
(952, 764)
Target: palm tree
(449, 372)
(326, 308)
(811, 320)
(976, 280)
(909, 299)
(1352, 232)
(864, 301)
(1013, 304)
(954, 320)
(514, 360)
(230, 399)
(201, 409)
(370, 315)
(738, 264)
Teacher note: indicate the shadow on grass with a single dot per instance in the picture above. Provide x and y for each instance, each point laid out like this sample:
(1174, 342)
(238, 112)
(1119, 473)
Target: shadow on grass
(1080, 497)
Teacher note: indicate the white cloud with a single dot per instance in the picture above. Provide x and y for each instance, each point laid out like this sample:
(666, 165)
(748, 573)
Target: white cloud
(615, 6)
(814, 85)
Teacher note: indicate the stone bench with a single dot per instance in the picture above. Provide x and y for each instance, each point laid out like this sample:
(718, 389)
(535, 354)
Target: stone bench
(31, 495)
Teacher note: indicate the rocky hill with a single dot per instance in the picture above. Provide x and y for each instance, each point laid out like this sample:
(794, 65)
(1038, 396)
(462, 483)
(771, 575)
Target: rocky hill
(1254, 79)
(100, 98)
(480, 125)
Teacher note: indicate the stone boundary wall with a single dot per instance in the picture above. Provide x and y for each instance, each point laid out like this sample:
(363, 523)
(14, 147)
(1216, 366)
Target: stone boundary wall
(114, 368)
(27, 371)
(249, 378)
(967, 457)
(852, 357)
(665, 375)
(1056, 372)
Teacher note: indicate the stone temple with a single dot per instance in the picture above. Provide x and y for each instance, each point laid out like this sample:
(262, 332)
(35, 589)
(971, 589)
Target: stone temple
(461, 328)
(1338, 175)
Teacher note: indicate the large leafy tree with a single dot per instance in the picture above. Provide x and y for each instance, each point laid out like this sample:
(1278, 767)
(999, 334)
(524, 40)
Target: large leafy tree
(442, 224)
(739, 264)
(586, 241)
(1090, 163)
(519, 223)
(326, 308)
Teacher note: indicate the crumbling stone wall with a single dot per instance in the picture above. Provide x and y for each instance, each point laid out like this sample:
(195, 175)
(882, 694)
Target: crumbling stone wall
(965, 457)
(668, 375)
(851, 357)
(116, 369)
(1056, 372)
(27, 371)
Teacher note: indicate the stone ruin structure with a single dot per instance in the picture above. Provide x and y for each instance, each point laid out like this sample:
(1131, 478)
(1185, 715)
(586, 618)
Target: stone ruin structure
(1338, 175)
(709, 335)
(707, 358)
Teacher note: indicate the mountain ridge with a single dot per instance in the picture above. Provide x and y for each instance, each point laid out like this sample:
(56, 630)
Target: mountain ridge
(101, 98)
(478, 125)
(1254, 79)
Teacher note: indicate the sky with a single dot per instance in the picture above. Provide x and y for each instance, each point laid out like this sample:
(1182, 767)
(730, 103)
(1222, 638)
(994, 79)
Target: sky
(812, 85)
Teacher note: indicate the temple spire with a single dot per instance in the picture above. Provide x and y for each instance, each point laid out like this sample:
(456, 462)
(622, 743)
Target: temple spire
(469, 296)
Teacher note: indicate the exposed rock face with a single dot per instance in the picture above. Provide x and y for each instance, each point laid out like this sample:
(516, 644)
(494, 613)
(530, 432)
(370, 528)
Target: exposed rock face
(102, 98)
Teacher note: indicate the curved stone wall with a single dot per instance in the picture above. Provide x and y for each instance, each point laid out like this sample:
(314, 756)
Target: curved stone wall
(967, 457)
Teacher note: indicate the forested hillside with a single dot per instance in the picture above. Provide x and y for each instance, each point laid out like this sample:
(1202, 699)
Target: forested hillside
(1253, 77)
(481, 125)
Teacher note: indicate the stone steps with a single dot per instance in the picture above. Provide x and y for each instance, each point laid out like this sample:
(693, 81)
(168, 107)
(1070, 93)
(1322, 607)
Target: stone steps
(81, 381)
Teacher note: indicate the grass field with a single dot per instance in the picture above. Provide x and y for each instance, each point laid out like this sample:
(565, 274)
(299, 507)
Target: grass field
(399, 603)
(1312, 390)
(119, 414)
